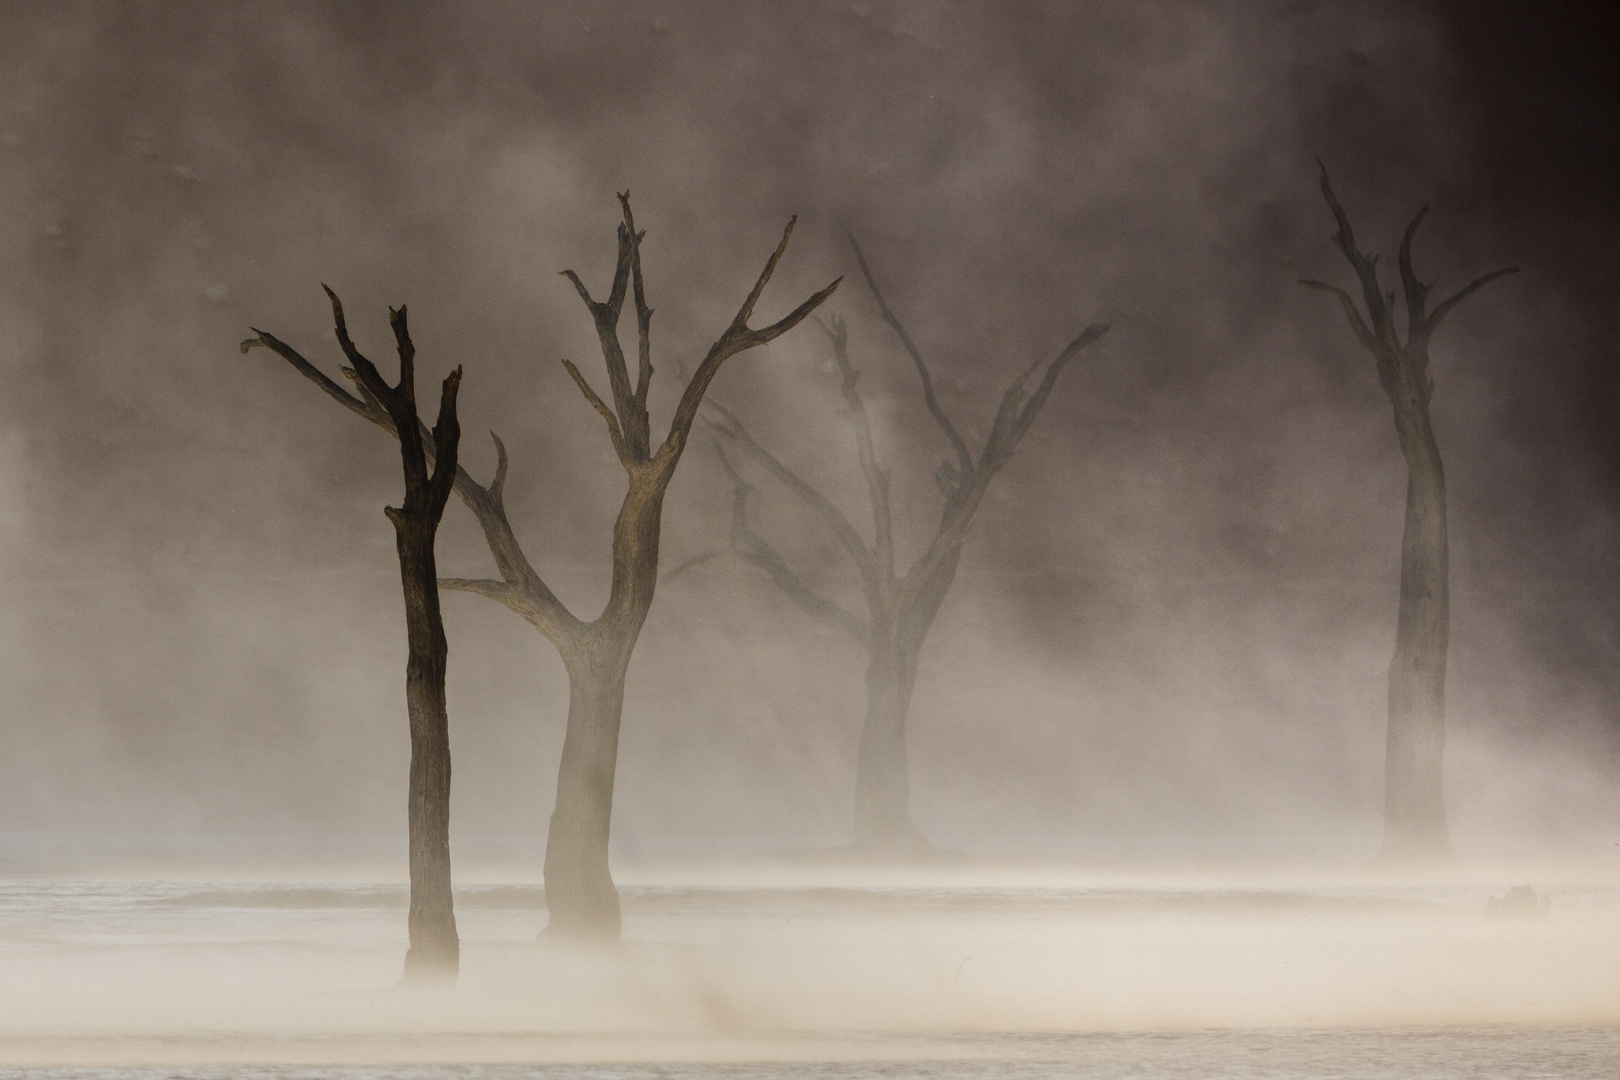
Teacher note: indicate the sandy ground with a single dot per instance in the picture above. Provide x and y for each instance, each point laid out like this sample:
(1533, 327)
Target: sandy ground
(735, 966)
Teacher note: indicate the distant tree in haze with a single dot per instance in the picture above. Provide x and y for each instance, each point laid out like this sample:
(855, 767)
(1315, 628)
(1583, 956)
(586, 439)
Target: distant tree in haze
(435, 950)
(579, 888)
(1414, 751)
(900, 606)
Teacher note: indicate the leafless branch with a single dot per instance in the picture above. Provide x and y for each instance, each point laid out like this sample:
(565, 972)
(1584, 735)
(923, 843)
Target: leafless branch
(607, 414)
(1037, 400)
(877, 478)
(1417, 293)
(963, 457)
(358, 406)
(502, 591)
(1364, 335)
(1365, 266)
(606, 317)
(737, 338)
(753, 548)
(644, 369)
(694, 561)
(497, 486)
(1464, 293)
(731, 428)
(530, 595)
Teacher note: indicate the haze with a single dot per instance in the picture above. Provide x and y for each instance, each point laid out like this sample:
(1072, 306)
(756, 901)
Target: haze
(1162, 669)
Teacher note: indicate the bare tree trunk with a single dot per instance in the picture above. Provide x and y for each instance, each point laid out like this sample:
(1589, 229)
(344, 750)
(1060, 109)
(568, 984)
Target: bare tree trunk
(900, 608)
(1414, 801)
(579, 888)
(882, 771)
(1415, 742)
(435, 949)
(580, 894)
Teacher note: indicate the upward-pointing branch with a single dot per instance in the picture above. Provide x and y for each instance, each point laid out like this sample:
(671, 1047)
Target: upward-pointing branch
(737, 338)
(1366, 267)
(731, 428)
(964, 459)
(524, 591)
(877, 478)
(605, 315)
(753, 548)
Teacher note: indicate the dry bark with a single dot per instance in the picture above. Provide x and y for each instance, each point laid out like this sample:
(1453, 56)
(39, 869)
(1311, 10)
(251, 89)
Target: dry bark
(900, 607)
(435, 950)
(1414, 750)
(580, 894)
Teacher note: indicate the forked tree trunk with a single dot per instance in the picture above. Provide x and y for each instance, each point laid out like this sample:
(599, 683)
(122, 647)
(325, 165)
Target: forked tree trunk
(900, 607)
(579, 889)
(435, 949)
(1414, 791)
(1415, 742)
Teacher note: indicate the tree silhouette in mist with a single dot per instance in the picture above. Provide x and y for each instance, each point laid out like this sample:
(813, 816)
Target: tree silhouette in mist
(901, 606)
(1414, 749)
(435, 950)
(580, 895)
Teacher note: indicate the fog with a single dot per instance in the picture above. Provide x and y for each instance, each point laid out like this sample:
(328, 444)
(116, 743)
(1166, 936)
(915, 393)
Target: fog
(1162, 666)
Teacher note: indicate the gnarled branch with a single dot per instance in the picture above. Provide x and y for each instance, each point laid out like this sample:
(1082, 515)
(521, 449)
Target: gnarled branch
(877, 478)
(600, 406)
(732, 428)
(539, 605)
(963, 457)
(737, 338)
(1365, 266)
(1464, 293)
(754, 549)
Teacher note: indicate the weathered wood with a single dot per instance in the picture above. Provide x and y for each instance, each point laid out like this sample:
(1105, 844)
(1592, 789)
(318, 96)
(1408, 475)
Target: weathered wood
(901, 608)
(1414, 750)
(579, 888)
(435, 949)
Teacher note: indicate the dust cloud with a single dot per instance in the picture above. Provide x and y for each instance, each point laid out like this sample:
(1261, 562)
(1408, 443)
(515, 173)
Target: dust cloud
(783, 964)
(1148, 729)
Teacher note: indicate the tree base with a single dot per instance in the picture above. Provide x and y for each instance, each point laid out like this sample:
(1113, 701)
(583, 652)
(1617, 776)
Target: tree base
(1415, 846)
(430, 968)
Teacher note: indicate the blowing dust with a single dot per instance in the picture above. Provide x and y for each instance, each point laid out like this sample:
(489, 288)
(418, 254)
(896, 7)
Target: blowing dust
(778, 964)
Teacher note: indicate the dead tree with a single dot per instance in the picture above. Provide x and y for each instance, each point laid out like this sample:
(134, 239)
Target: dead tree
(900, 607)
(580, 894)
(1414, 748)
(435, 950)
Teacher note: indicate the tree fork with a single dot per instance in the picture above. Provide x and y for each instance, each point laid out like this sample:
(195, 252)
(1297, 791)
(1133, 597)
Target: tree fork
(579, 890)
(1414, 753)
(435, 950)
(900, 607)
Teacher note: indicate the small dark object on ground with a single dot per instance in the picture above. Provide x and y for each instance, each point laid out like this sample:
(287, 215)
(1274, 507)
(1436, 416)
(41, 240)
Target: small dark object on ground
(1520, 900)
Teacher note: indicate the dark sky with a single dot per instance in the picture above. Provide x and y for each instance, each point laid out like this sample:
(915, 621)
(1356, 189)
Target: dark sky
(1174, 617)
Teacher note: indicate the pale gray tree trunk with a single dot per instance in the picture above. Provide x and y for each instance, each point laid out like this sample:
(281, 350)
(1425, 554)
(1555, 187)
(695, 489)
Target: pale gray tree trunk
(1414, 754)
(1414, 802)
(901, 608)
(882, 771)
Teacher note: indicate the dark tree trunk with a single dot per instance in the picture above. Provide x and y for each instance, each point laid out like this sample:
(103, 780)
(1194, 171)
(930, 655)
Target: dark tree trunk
(1414, 802)
(579, 889)
(1415, 743)
(435, 949)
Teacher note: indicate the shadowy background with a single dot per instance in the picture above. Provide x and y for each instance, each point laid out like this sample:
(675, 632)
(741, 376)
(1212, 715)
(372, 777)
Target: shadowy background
(1172, 624)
